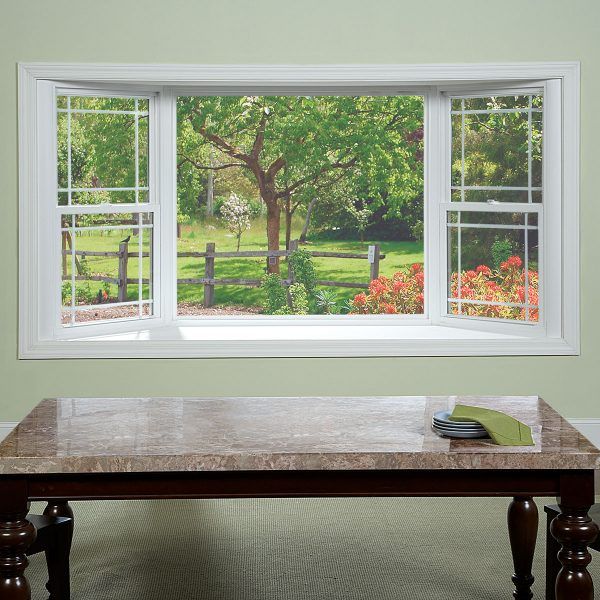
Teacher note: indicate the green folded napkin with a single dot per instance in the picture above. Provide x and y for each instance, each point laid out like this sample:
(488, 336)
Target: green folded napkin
(502, 428)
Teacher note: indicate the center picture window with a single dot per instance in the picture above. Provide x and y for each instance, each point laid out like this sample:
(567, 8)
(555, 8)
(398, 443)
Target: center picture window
(300, 205)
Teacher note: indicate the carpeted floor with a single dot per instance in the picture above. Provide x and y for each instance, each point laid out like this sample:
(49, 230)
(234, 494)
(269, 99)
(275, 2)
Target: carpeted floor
(309, 549)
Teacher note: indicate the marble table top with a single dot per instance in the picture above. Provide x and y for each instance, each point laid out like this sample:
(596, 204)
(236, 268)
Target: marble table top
(91, 435)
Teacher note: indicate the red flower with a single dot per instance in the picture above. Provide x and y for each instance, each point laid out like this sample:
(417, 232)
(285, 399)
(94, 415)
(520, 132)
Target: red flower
(515, 261)
(389, 309)
(484, 269)
(360, 299)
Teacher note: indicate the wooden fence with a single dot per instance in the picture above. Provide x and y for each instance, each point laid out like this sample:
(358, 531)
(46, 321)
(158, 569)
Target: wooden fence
(209, 281)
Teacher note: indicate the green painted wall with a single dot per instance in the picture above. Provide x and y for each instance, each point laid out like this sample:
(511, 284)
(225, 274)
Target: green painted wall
(309, 31)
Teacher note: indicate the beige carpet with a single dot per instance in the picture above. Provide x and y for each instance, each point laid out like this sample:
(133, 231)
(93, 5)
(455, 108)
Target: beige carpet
(315, 549)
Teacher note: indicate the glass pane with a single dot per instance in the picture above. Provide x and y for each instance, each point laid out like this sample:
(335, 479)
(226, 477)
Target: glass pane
(468, 218)
(493, 265)
(96, 145)
(497, 149)
(491, 196)
(536, 149)
(105, 312)
(496, 102)
(143, 141)
(63, 152)
(457, 150)
(103, 254)
(376, 199)
(101, 197)
(100, 103)
(106, 142)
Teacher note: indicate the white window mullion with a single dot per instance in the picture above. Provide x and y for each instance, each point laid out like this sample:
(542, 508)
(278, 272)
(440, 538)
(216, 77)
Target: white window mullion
(69, 154)
(434, 190)
(167, 188)
(553, 251)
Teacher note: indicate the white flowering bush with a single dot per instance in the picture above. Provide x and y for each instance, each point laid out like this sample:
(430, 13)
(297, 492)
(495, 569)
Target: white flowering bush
(235, 211)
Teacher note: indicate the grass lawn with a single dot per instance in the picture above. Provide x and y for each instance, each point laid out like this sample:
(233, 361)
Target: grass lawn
(194, 239)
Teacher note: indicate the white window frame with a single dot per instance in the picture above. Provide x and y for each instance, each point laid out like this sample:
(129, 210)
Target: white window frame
(433, 334)
(50, 323)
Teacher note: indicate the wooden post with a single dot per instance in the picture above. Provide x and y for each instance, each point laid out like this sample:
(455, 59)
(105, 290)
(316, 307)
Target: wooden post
(374, 258)
(209, 273)
(123, 259)
(69, 241)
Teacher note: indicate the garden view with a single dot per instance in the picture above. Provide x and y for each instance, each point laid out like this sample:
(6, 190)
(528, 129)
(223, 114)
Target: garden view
(299, 205)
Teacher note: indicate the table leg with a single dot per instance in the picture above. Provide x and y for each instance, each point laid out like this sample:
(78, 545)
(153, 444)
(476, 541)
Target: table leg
(61, 508)
(552, 563)
(522, 532)
(574, 530)
(16, 535)
(57, 557)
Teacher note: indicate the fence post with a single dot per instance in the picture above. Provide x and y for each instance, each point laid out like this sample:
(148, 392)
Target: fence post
(374, 258)
(209, 273)
(123, 259)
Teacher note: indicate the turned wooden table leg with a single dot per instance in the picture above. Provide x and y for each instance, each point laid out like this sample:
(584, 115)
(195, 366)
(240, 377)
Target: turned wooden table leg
(16, 535)
(575, 530)
(522, 532)
(57, 557)
(552, 563)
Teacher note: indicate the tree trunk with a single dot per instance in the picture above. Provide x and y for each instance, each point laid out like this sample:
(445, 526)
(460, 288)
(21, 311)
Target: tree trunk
(210, 189)
(210, 201)
(273, 226)
(288, 222)
(309, 210)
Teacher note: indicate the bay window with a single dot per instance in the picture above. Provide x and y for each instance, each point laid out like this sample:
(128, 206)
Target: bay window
(480, 161)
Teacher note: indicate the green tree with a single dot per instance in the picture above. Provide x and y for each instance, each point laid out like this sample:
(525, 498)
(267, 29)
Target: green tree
(292, 147)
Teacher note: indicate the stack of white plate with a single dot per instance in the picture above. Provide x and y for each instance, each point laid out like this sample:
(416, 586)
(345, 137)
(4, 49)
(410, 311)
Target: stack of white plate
(456, 429)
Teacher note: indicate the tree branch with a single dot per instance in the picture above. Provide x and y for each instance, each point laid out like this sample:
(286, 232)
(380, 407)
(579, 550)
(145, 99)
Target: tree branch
(221, 144)
(315, 176)
(275, 167)
(197, 165)
(259, 140)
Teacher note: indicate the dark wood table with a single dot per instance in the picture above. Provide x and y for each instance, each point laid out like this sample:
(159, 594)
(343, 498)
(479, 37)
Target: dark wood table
(96, 449)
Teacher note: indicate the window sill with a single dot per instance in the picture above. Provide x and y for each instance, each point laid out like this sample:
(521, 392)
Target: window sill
(283, 340)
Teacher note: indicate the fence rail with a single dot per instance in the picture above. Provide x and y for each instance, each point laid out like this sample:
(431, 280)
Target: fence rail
(209, 281)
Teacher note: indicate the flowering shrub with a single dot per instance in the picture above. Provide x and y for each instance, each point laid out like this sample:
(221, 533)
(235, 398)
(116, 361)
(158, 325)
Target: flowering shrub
(403, 293)
(506, 284)
(236, 213)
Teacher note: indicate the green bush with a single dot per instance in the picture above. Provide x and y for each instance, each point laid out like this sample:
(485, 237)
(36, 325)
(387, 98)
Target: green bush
(326, 301)
(304, 270)
(299, 299)
(501, 250)
(275, 295)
